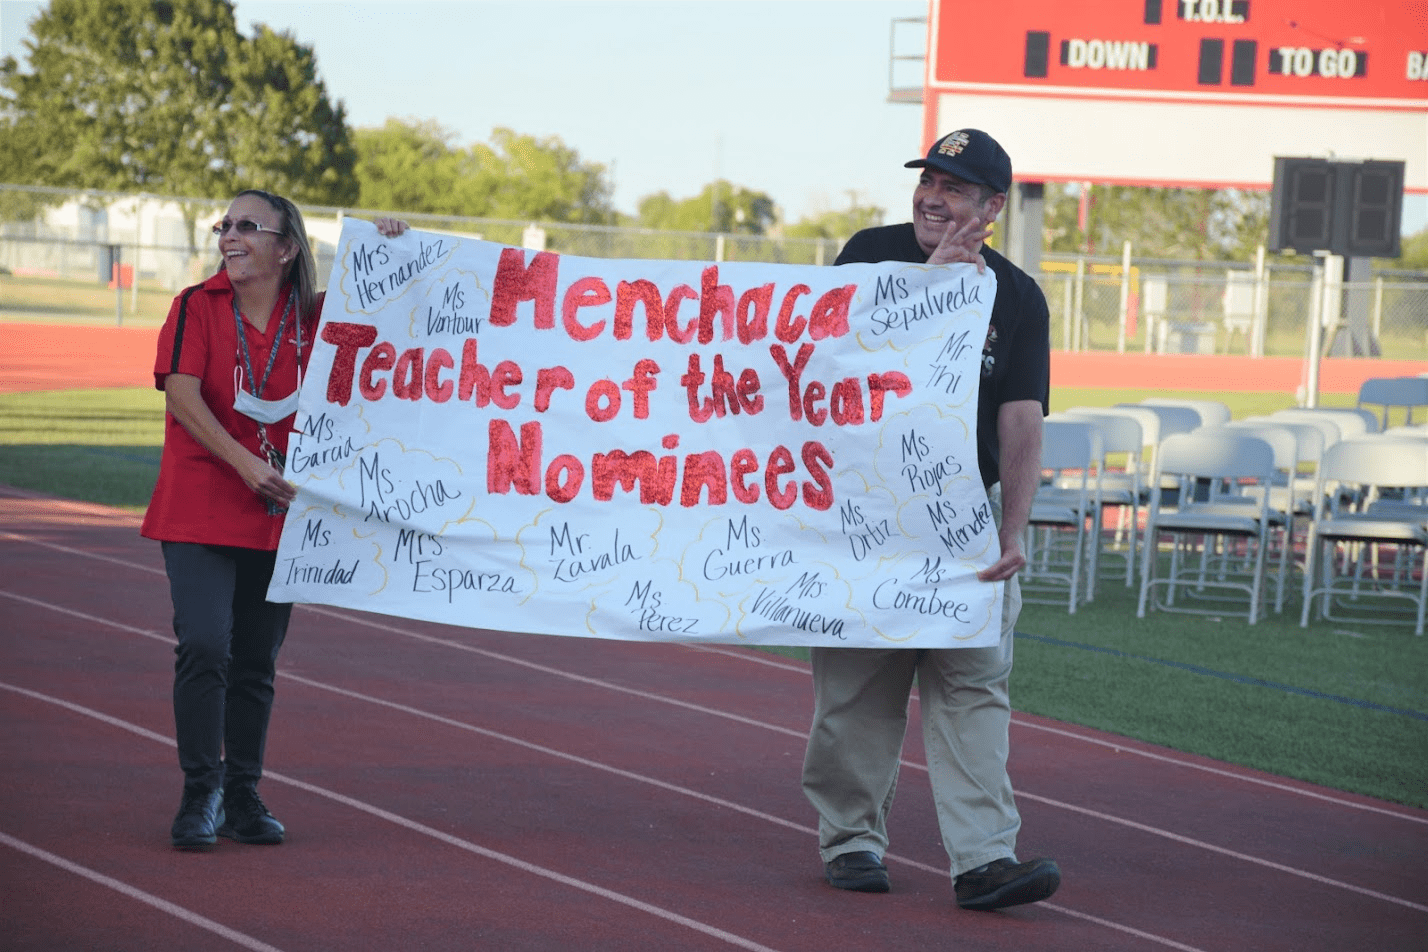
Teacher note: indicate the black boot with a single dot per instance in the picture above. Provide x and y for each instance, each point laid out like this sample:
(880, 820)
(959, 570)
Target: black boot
(199, 817)
(248, 818)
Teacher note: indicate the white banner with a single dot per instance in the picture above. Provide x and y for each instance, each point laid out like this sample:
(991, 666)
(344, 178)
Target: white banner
(646, 450)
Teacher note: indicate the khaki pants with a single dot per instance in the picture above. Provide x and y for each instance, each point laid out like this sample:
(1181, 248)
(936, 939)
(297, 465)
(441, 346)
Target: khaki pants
(859, 721)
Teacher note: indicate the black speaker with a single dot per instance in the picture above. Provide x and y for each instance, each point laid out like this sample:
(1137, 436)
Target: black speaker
(1372, 218)
(1301, 205)
(1352, 209)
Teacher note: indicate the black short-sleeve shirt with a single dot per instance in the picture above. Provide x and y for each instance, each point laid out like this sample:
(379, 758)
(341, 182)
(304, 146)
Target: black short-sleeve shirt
(1016, 358)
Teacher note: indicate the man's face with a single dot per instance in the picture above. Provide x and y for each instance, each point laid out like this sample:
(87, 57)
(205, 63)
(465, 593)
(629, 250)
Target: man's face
(943, 201)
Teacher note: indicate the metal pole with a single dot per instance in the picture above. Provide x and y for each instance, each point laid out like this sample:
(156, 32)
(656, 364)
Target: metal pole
(134, 270)
(1328, 270)
(134, 282)
(116, 258)
(1259, 325)
(1066, 293)
(1125, 297)
(1378, 310)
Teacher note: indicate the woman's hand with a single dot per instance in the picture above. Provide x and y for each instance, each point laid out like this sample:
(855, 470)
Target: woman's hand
(184, 399)
(265, 480)
(390, 227)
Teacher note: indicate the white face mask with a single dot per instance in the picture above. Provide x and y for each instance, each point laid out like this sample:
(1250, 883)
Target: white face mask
(251, 405)
(266, 411)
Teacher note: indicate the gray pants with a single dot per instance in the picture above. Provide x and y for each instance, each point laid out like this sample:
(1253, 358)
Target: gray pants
(228, 640)
(859, 721)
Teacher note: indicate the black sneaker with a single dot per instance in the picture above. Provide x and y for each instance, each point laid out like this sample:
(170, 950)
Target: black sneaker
(248, 819)
(1005, 882)
(859, 872)
(199, 816)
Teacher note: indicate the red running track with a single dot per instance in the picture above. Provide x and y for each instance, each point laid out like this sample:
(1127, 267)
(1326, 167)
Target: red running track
(458, 789)
(73, 356)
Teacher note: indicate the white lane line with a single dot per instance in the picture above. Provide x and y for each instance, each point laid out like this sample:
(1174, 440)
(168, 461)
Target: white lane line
(1222, 772)
(540, 871)
(557, 672)
(558, 754)
(769, 661)
(609, 894)
(1268, 864)
(1061, 804)
(1122, 747)
(69, 550)
(148, 899)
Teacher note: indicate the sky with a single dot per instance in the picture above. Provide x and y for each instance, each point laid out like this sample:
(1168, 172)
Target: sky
(785, 97)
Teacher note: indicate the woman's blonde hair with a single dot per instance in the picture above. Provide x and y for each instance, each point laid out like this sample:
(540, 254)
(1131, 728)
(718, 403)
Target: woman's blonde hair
(302, 270)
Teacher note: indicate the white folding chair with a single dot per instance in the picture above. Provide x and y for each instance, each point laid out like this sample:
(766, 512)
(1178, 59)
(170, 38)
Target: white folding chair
(1123, 483)
(1063, 533)
(1327, 426)
(1286, 503)
(1173, 418)
(1390, 393)
(1351, 421)
(1388, 476)
(1208, 469)
(1312, 442)
(1212, 412)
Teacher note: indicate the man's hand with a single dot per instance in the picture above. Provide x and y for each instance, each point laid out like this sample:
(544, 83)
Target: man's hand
(1013, 560)
(961, 244)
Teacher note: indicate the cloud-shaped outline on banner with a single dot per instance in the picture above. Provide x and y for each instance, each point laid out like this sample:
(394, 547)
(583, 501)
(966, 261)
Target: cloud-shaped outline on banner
(837, 578)
(940, 628)
(870, 490)
(613, 575)
(665, 568)
(354, 514)
(437, 282)
(301, 480)
(345, 277)
(871, 343)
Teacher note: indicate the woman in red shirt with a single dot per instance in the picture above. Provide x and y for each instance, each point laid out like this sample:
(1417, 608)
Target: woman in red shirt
(229, 362)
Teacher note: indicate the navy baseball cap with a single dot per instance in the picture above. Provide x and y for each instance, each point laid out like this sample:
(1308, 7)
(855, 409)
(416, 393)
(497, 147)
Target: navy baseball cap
(972, 155)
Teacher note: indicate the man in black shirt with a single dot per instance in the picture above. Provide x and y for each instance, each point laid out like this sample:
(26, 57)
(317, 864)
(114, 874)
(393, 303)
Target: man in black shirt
(861, 694)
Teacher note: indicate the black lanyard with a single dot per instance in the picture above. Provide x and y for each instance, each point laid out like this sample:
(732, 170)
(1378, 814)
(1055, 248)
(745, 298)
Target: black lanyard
(258, 385)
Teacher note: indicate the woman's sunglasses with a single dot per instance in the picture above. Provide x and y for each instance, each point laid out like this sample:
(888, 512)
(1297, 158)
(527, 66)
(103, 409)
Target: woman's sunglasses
(244, 227)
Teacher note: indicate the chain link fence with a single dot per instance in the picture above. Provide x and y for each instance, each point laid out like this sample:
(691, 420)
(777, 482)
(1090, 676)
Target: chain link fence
(61, 233)
(62, 250)
(1261, 310)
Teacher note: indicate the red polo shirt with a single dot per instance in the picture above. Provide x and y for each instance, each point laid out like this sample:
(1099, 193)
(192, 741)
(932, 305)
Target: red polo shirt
(198, 497)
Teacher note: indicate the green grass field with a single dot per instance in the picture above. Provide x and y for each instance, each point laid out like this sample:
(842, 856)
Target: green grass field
(76, 301)
(1343, 706)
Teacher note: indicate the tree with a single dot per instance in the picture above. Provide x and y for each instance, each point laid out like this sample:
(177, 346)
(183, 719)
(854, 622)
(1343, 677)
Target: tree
(411, 165)
(167, 97)
(719, 207)
(838, 225)
(1201, 224)
(283, 133)
(1413, 252)
(521, 176)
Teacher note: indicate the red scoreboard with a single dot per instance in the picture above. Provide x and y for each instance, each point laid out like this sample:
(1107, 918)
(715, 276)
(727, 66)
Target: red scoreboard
(1201, 92)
